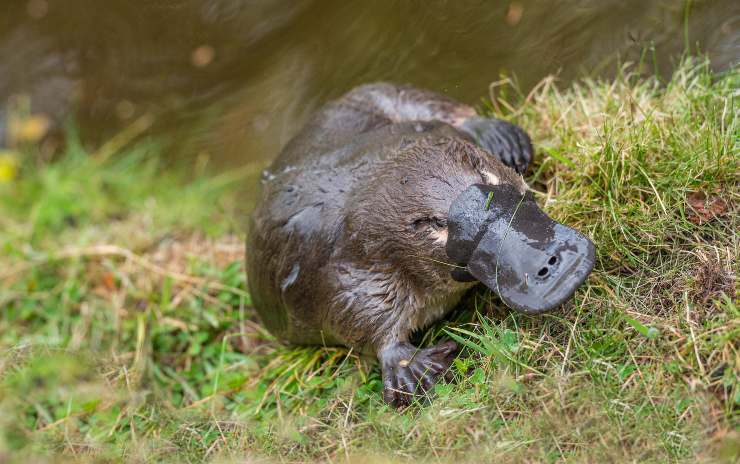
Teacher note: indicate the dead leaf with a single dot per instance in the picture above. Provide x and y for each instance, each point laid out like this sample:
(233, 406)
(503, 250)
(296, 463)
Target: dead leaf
(202, 56)
(514, 13)
(30, 129)
(109, 281)
(703, 208)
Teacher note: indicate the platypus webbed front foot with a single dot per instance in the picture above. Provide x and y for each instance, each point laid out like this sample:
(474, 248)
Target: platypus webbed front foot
(507, 142)
(409, 372)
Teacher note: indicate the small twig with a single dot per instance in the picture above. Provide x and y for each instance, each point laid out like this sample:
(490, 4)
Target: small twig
(570, 340)
(691, 332)
(492, 92)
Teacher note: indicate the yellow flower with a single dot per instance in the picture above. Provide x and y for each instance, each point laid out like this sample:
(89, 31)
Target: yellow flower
(8, 165)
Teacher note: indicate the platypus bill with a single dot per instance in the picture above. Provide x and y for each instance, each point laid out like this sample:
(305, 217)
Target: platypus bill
(383, 211)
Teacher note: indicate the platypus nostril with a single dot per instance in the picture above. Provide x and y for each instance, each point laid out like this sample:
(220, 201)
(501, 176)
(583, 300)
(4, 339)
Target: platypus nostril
(553, 260)
(543, 272)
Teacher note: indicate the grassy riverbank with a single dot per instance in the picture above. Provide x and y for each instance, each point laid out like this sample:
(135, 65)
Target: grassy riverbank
(126, 329)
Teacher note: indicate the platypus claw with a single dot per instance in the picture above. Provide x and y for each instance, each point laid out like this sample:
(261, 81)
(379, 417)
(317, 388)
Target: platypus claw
(410, 373)
(507, 142)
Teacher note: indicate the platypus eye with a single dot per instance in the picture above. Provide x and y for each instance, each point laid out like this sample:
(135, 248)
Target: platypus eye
(433, 222)
(419, 223)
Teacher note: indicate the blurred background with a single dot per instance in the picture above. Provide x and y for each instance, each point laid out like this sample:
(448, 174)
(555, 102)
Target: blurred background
(228, 82)
(132, 138)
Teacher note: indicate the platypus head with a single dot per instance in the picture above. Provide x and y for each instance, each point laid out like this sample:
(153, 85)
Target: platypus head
(504, 240)
(447, 214)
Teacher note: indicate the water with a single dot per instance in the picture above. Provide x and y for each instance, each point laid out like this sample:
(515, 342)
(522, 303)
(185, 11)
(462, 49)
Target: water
(230, 81)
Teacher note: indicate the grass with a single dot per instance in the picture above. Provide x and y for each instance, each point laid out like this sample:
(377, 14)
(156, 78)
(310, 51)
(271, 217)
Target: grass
(127, 333)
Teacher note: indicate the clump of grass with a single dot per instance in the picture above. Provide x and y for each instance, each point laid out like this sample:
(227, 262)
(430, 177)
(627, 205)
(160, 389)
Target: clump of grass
(126, 329)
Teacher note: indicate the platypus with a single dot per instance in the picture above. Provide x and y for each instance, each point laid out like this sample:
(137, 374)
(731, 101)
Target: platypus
(388, 206)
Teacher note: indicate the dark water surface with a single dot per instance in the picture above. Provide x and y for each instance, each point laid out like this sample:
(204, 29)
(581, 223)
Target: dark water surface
(233, 80)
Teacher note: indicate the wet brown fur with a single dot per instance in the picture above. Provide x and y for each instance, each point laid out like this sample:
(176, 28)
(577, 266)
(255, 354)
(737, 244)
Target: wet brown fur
(356, 225)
